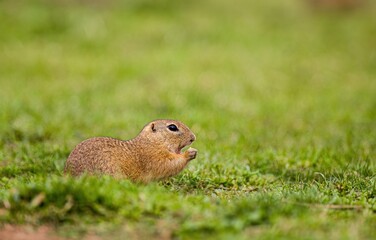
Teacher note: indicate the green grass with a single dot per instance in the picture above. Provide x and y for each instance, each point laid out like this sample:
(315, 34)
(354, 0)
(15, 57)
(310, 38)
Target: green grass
(282, 100)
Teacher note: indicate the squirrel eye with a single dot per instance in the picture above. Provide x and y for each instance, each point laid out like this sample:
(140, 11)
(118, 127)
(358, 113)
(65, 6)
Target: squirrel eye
(173, 127)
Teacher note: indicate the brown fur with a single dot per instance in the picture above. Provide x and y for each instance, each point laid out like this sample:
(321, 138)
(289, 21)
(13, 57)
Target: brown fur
(154, 154)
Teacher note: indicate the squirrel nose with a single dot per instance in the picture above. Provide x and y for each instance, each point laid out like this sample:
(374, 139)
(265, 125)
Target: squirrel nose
(193, 138)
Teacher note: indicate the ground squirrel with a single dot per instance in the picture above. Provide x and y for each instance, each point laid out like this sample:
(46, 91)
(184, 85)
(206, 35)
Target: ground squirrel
(154, 154)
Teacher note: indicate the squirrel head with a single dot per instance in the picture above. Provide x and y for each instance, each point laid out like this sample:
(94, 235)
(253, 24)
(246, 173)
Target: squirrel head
(171, 133)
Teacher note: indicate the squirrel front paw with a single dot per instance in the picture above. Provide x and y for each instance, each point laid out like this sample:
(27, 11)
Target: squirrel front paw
(191, 153)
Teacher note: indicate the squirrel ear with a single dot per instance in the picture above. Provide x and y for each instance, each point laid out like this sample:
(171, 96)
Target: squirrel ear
(152, 126)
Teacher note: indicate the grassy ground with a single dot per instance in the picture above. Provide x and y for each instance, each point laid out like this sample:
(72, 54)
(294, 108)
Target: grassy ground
(282, 100)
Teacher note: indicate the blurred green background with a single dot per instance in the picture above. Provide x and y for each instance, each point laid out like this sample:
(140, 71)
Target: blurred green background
(280, 94)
